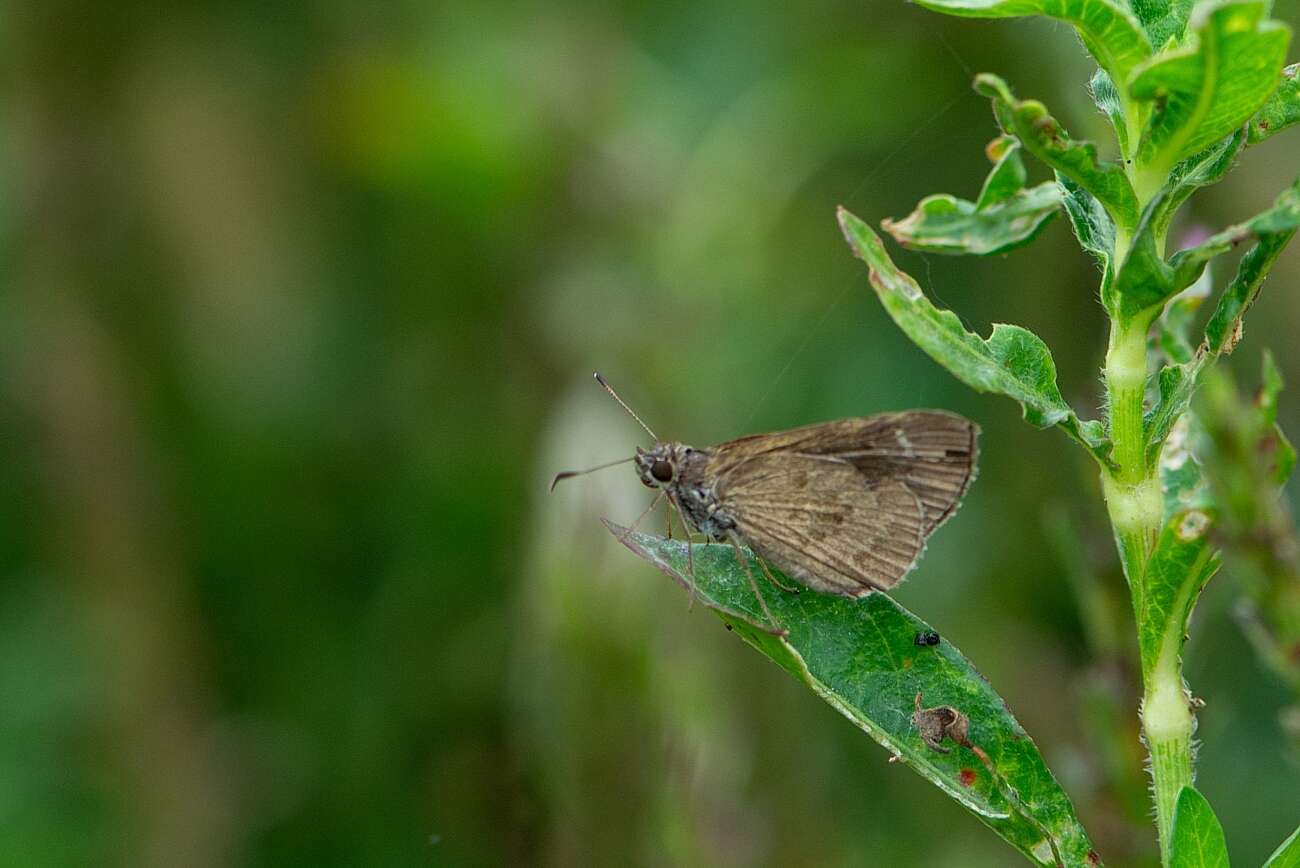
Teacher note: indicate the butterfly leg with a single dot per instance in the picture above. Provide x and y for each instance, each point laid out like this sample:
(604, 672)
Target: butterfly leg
(690, 551)
(640, 518)
(753, 584)
(690, 567)
(771, 578)
(668, 517)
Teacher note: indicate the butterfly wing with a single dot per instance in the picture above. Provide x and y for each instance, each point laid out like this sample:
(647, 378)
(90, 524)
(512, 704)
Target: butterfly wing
(845, 507)
(933, 451)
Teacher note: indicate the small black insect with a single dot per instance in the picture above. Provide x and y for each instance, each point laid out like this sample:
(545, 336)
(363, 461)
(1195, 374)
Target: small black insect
(928, 637)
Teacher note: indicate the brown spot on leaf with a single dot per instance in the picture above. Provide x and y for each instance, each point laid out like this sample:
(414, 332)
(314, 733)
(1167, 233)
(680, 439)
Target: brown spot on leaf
(1094, 858)
(1235, 337)
(967, 777)
(941, 722)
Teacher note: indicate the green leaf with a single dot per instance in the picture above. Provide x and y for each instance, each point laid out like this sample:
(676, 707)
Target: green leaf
(1197, 841)
(1006, 215)
(1089, 220)
(1043, 137)
(1008, 175)
(1282, 109)
(1182, 562)
(1206, 168)
(861, 657)
(1012, 361)
(1108, 99)
(1145, 280)
(1203, 92)
(1108, 29)
(1275, 228)
(1175, 386)
(1287, 855)
(1163, 20)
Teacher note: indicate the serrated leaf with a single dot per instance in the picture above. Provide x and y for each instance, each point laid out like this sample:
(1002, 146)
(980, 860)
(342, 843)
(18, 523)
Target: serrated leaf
(1287, 855)
(1276, 228)
(1203, 92)
(1282, 109)
(1091, 224)
(1107, 98)
(945, 224)
(1043, 136)
(1109, 31)
(1182, 562)
(1012, 361)
(1163, 20)
(1145, 280)
(1175, 386)
(861, 657)
(1197, 840)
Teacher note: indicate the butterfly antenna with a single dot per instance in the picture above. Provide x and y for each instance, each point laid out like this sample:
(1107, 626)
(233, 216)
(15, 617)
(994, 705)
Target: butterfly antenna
(623, 404)
(568, 474)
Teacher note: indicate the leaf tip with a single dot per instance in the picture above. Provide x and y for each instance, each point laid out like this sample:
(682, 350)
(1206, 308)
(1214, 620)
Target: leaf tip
(859, 235)
(992, 86)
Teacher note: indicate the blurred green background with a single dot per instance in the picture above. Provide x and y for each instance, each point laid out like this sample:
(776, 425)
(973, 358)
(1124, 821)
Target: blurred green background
(300, 307)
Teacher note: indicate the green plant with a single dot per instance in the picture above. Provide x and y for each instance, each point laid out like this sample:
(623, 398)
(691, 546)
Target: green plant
(1186, 91)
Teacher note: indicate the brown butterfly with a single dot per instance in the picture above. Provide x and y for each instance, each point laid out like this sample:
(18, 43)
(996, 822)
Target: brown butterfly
(843, 507)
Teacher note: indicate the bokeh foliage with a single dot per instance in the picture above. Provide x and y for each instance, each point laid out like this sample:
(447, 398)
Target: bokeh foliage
(299, 313)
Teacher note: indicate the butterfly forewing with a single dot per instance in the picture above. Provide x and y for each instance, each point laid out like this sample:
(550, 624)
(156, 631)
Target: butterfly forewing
(846, 506)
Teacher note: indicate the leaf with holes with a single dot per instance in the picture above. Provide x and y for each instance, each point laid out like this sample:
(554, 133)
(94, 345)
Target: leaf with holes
(862, 657)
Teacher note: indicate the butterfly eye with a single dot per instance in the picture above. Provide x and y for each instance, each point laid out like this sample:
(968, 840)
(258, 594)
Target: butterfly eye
(662, 471)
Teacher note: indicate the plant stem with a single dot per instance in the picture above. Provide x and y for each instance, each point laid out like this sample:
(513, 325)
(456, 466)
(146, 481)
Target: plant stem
(1167, 726)
(1132, 490)
(1136, 506)
(1126, 377)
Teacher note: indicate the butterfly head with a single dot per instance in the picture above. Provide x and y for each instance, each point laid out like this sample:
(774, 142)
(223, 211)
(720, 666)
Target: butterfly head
(659, 465)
